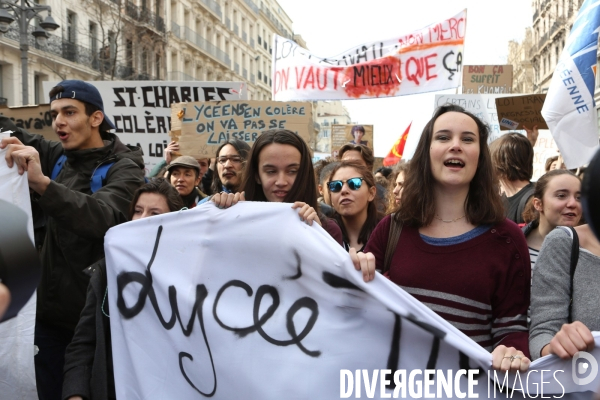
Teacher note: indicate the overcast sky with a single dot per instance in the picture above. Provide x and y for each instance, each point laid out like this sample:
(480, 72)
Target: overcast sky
(331, 26)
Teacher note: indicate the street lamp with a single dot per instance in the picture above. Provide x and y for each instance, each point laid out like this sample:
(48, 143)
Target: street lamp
(23, 13)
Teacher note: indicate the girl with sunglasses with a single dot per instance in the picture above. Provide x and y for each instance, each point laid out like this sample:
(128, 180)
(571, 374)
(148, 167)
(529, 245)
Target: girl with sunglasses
(279, 169)
(455, 251)
(352, 194)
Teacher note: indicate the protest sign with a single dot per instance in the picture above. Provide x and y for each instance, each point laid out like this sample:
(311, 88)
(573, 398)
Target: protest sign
(343, 134)
(34, 119)
(141, 110)
(517, 111)
(482, 106)
(263, 306)
(16, 335)
(200, 128)
(422, 61)
(487, 79)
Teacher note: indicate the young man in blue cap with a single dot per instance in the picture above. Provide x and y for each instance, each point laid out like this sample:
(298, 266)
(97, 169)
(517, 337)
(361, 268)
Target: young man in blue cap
(84, 185)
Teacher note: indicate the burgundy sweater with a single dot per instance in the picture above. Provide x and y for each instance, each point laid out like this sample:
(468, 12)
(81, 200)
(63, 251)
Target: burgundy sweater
(480, 286)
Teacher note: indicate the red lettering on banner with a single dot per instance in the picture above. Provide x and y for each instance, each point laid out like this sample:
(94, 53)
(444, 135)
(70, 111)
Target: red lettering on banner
(449, 29)
(299, 78)
(417, 68)
(379, 77)
(411, 39)
(310, 79)
(281, 80)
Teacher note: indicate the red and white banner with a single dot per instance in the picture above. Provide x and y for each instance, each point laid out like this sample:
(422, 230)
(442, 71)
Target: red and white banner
(422, 61)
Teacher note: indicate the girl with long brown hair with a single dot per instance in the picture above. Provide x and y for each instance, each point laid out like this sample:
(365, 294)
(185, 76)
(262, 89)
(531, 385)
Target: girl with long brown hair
(456, 252)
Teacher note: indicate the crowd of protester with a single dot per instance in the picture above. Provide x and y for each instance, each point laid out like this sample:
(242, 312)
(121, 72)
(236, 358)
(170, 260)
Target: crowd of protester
(460, 227)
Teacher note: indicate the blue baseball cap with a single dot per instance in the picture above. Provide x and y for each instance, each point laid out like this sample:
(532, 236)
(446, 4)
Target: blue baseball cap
(84, 92)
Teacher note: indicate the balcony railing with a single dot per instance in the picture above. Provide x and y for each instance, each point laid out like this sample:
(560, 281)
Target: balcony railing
(253, 6)
(557, 25)
(96, 59)
(143, 15)
(213, 6)
(195, 38)
(180, 76)
(275, 22)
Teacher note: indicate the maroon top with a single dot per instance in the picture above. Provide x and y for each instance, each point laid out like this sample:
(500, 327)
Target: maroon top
(333, 229)
(481, 286)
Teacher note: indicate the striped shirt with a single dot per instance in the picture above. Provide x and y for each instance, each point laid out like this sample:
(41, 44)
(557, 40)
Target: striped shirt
(480, 285)
(533, 255)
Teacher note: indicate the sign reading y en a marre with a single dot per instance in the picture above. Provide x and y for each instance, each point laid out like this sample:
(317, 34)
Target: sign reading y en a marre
(200, 128)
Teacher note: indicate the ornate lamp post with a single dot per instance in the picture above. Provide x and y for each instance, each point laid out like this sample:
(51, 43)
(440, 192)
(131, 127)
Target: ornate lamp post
(23, 12)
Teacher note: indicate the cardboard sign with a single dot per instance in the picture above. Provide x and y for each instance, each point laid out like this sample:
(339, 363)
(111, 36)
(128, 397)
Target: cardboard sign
(34, 119)
(517, 111)
(487, 79)
(482, 106)
(200, 128)
(420, 61)
(342, 134)
(141, 110)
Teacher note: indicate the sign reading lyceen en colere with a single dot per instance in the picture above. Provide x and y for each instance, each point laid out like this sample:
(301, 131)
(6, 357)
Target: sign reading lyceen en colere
(200, 128)
(141, 110)
(421, 61)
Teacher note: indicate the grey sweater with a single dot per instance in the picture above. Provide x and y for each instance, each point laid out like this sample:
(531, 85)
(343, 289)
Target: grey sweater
(550, 293)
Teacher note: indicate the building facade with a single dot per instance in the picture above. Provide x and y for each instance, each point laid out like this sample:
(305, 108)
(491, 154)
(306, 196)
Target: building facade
(328, 113)
(518, 57)
(204, 40)
(552, 23)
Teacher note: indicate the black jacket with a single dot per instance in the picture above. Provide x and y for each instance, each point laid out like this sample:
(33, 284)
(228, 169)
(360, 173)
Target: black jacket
(77, 220)
(88, 360)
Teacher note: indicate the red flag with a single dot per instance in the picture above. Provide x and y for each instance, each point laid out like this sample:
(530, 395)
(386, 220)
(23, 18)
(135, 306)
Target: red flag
(395, 154)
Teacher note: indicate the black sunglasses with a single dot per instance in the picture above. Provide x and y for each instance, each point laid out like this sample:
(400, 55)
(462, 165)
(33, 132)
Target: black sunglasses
(353, 184)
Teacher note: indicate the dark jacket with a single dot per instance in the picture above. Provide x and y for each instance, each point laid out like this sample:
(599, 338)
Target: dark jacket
(88, 360)
(77, 220)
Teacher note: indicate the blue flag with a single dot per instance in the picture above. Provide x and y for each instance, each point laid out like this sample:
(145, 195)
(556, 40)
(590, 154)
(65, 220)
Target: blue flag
(570, 109)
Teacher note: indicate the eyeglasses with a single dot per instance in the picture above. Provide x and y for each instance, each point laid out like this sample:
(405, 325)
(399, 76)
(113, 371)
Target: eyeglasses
(353, 184)
(234, 159)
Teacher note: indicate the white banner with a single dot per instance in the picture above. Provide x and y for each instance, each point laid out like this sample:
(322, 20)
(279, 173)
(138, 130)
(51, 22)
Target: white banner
(141, 110)
(422, 61)
(259, 305)
(16, 335)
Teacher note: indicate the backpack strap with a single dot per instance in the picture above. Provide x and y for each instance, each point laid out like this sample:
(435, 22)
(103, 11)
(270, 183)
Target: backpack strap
(523, 202)
(58, 166)
(573, 266)
(99, 176)
(393, 237)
